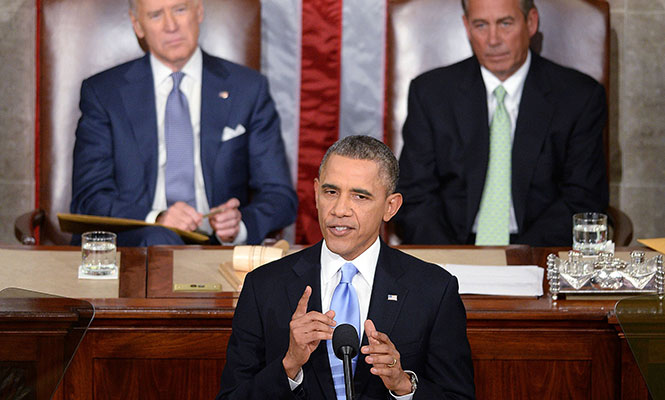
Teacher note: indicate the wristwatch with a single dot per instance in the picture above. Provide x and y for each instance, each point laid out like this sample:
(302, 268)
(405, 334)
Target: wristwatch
(414, 380)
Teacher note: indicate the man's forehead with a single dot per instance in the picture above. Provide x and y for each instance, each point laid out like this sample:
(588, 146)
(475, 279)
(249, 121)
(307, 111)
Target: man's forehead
(495, 9)
(358, 175)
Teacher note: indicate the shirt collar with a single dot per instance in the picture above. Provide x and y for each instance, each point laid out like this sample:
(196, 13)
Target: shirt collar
(192, 69)
(513, 84)
(365, 263)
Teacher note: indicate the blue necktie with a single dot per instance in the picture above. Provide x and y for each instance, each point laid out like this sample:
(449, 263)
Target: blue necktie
(179, 137)
(347, 311)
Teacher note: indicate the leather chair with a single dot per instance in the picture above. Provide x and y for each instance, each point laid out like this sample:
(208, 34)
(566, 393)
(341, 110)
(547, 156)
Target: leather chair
(425, 34)
(78, 38)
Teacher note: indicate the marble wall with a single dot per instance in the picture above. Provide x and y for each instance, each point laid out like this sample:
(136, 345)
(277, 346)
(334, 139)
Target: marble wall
(637, 113)
(17, 112)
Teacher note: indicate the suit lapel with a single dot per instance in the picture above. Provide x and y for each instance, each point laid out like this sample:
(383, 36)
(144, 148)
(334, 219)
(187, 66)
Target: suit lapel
(138, 99)
(308, 270)
(533, 121)
(382, 312)
(471, 115)
(214, 115)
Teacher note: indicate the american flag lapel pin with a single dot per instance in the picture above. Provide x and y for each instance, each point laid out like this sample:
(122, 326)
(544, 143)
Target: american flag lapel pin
(392, 297)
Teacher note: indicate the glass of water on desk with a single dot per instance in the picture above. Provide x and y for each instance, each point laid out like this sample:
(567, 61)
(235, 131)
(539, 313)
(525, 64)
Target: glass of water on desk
(98, 253)
(589, 232)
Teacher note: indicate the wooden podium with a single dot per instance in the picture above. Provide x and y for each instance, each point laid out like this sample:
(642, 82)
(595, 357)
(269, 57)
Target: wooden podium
(39, 335)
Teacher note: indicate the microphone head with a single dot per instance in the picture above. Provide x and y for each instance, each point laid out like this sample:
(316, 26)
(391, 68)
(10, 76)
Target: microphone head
(345, 341)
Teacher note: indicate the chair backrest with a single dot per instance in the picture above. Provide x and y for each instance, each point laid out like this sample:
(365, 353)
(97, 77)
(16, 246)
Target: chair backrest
(78, 38)
(425, 34)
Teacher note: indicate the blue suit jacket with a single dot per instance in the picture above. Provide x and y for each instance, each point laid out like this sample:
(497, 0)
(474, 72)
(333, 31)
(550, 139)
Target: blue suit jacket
(115, 155)
(427, 324)
(558, 163)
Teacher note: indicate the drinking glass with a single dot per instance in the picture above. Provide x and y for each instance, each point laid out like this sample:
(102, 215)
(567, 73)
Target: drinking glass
(98, 253)
(589, 232)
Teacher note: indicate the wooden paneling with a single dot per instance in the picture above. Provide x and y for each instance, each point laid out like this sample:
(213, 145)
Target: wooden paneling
(146, 379)
(532, 379)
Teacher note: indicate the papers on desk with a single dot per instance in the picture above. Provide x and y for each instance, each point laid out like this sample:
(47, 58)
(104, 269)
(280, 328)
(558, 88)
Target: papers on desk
(513, 280)
(657, 244)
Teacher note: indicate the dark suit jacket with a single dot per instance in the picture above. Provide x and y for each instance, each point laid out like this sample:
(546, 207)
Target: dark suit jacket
(558, 165)
(115, 156)
(427, 325)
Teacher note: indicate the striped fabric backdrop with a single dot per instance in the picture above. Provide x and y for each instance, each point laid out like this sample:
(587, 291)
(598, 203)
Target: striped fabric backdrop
(325, 60)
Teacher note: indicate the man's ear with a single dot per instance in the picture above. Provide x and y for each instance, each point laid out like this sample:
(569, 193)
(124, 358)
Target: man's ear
(532, 21)
(316, 192)
(393, 203)
(199, 12)
(138, 30)
(467, 26)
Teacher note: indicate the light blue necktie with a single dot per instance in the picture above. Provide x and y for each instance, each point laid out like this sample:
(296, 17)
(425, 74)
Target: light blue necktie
(347, 311)
(494, 211)
(179, 137)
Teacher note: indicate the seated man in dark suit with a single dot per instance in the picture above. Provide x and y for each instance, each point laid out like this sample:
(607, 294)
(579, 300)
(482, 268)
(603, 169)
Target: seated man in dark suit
(503, 147)
(177, 134)
(408, 312)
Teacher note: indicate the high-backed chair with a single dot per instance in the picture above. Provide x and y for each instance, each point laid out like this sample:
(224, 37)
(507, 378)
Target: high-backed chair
(78, 38)
(425, 34)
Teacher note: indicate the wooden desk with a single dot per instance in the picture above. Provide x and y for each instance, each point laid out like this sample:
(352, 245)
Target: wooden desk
(172, 346)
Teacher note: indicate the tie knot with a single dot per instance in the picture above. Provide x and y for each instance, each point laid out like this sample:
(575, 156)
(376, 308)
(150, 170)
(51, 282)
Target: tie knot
(177, 78)
(348, 272)
(500, 93)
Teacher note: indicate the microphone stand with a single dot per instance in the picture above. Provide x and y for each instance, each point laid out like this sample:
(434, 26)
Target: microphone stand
(348, 373)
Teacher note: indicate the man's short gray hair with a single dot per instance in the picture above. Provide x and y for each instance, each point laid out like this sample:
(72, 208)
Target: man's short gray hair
(132, 5)
(361, 147)
(525, 6)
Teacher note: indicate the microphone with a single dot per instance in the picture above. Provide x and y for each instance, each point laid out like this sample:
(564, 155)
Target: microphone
(345, 343)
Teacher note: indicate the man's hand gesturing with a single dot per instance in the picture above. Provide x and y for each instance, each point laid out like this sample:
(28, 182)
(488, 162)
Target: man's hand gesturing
(306, 330)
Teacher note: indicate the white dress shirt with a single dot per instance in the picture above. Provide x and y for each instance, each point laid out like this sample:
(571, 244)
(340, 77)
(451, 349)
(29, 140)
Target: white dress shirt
(331, 275)
(191, 88)
(514, 86)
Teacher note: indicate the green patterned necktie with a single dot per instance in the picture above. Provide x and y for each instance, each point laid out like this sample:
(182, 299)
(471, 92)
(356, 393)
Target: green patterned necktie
(494, 213)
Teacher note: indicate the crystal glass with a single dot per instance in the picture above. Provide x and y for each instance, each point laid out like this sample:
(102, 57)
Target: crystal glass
(589, 232)
(98, 253)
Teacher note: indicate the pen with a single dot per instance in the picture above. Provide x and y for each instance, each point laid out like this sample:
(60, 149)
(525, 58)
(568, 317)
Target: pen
(217, 211)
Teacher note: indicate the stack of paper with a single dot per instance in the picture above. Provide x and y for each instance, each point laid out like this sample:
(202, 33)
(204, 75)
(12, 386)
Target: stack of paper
(513, 280)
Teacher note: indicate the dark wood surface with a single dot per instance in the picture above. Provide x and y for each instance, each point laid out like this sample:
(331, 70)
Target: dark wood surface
(38, 336)
(523, 348)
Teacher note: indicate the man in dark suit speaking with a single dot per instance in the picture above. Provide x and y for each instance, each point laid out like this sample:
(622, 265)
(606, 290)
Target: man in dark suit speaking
(505, 146)
(408, 313)
(178, 133)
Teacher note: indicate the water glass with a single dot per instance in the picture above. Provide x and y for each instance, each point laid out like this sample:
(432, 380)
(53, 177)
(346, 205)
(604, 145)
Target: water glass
(589, 232)
(98, 253)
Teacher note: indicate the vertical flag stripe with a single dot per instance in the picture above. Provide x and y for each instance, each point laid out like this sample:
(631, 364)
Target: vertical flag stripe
(319, 103)
(363, 68)
(280, 62)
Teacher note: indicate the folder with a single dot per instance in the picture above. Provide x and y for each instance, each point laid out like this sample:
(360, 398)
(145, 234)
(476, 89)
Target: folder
(79, 223)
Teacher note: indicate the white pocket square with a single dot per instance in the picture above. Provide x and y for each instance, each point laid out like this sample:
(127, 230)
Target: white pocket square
(229, 133)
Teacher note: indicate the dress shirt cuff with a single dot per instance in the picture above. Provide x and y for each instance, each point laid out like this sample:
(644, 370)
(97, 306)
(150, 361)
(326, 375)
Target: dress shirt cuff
(241, 237)
(294, 383)
(152, 216)
(407, 396)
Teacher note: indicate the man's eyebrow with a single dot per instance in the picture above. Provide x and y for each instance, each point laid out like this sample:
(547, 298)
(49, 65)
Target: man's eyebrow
(329, 186)
(509, 18)
(362, 191)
